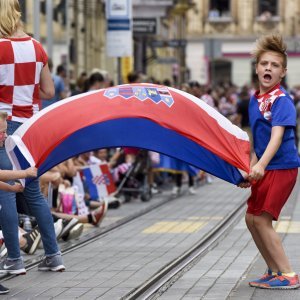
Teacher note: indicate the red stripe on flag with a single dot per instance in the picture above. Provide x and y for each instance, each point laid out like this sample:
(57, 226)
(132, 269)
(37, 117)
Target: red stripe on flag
(199, 126)
(106, 172)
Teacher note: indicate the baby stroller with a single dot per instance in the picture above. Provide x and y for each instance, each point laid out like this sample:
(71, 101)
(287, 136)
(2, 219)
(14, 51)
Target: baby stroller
(134, 183)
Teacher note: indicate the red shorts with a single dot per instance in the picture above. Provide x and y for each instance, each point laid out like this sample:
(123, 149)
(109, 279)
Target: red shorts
(271, 192)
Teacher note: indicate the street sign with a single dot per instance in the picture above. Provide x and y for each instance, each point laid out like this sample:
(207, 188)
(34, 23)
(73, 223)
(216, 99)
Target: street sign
(116, 24)
(144, 26)
(118, 9)
(119, 28)
(179, 43)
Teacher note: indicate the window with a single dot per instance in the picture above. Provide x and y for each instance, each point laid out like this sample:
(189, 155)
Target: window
(219, 9)
(59, 12)
(220, 71)
(267, 9)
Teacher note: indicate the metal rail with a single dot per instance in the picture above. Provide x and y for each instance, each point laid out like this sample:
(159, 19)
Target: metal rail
(91, 237)
(176, 268)
(173, 270)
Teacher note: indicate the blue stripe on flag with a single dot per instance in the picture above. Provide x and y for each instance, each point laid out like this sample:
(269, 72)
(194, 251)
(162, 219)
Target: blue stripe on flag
(141, 133)
(92, 188)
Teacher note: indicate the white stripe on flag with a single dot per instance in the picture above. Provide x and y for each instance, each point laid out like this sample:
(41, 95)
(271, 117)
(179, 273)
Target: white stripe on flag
(97, 173)
(222, 121)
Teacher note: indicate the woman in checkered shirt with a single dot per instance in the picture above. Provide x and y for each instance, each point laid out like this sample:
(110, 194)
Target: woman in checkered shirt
(24, 79)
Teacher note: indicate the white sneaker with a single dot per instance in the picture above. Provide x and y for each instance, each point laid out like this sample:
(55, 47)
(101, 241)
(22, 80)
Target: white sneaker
(75, 232)
(154, 191)
(209, 179)
(192, 191)
(175, 190)
(58, 227)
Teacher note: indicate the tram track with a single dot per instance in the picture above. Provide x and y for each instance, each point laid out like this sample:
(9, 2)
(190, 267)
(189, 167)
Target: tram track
(166, 276)
(159, 282)
(92, 236)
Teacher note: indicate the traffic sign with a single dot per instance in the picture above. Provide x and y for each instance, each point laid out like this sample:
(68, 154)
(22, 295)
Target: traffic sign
(144, 25)
(175, 43)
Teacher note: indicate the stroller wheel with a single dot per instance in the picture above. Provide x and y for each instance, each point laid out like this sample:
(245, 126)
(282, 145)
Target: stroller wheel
(145, 196)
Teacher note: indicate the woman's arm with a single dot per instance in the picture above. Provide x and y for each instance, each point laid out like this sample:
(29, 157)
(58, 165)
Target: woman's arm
(47, 90)
(17, 187)
(15, 174)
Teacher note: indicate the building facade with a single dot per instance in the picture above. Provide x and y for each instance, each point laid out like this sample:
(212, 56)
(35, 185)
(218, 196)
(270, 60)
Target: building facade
(204, 40)
(78, 37)
(221, 34)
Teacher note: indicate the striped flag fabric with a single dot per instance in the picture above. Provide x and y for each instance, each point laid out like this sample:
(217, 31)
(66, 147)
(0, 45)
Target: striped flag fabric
(98, 180)
(147, 116)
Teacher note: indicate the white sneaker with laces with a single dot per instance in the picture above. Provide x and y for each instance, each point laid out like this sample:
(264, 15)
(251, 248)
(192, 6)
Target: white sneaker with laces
(13, 267)
(52, 263)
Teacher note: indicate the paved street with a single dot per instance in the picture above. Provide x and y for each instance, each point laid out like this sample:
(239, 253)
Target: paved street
(114, 264)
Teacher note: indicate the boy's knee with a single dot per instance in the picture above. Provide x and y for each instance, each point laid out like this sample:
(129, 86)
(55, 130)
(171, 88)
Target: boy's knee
(249, 220)
(261, 221)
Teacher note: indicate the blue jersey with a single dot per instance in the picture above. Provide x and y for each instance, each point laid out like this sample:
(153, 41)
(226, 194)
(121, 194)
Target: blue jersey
(275, 108)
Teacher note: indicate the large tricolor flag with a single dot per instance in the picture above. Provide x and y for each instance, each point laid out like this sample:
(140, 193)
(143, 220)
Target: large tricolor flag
(148, 116)
(98, 180)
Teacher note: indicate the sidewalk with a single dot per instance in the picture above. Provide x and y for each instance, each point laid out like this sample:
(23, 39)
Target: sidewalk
(289, 227)
(225, 271)
(114, 264)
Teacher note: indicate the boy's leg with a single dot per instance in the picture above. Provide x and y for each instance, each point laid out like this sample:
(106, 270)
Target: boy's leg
(259, 243)
(271, 242)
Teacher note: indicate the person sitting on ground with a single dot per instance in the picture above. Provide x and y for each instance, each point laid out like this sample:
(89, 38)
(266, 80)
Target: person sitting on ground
(28, 241)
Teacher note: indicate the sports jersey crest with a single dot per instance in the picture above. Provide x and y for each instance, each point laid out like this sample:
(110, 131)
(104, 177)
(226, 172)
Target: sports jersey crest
(266, 101)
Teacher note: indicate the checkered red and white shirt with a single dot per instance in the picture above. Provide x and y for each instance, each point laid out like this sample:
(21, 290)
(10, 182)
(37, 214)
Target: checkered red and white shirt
(21, 63)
